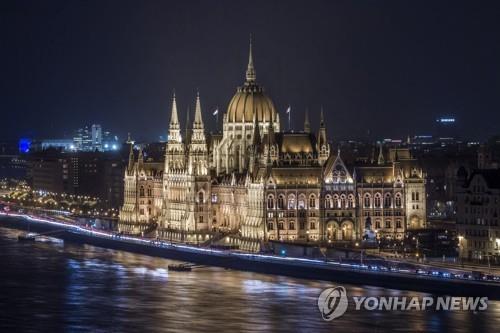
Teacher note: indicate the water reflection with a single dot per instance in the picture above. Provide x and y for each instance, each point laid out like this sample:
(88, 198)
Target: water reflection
(49, 286)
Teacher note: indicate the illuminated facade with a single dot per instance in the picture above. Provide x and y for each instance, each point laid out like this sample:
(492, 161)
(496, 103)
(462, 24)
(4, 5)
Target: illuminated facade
(478, 201)
(254, 183)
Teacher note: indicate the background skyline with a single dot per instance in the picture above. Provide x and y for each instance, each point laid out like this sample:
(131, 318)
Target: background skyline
(385, 67)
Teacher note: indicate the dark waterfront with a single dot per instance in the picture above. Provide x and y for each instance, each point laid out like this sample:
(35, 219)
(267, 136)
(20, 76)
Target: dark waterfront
(56, 286)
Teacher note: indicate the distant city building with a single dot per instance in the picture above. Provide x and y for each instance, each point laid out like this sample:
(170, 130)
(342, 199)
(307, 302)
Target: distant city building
(94, 174)
(88, 138)
(62, 144)
(446, 128)
(97, 139)
(478, 209)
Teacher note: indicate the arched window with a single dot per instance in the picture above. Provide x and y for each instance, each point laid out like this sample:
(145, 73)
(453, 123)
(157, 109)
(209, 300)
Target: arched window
(312, 201)
(377, 202)
(388, 224)
(270, 202)
(302, 201)
(150, 192)
(350, 201)
(342, 201)
(398, 224)
(377, 224)
(291, 225)
(387, 201)
(200, 197)
(281, 201)
(367, 200)
(291, 201)
(413, 196)
(336, 203)
(397, 200)
(417, 196)
(141, 191)
(328, 202)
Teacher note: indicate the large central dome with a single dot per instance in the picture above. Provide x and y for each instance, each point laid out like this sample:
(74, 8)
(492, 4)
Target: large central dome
(251, 99)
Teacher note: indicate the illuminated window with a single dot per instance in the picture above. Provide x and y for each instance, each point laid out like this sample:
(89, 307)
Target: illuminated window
(328, 202)
(367, 201)
(281, 201)
(350, 201)
(398, 200)
(270, 202)
(342, 201)
(387, 201)
(312, 201)
(377, 201)
(291, 201)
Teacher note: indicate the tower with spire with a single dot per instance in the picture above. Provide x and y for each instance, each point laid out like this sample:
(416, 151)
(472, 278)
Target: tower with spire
(197, 152)
(250, 74)
(175, 150)
(323, 145)
(307, 124)
(381, 159)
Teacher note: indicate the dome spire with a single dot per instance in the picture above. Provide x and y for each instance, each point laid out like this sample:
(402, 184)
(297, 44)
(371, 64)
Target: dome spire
(250, 69)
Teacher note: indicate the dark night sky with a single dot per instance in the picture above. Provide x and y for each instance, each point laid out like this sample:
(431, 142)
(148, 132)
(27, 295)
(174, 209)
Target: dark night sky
(390, 67)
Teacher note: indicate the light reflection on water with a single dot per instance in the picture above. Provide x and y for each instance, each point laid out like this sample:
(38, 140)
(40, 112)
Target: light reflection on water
(50, 286)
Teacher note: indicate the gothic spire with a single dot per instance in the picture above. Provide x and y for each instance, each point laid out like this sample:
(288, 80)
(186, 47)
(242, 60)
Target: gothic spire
(131, 156)
(321, 119)
(198, 120)
(381, 160)
(307, 125)
(174, 118)
(250, 69)
(174, 130)
(187, 132)
(140, 159)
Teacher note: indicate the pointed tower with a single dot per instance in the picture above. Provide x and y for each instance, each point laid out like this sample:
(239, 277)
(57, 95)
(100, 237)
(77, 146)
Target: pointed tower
(323, 145)
(140, 160)
(174, 130)
(174, 159)
(250, 74)
(381, 160)
(198, 120)
(187, 130)
(130, 158)
(198, 152)
(307, 125)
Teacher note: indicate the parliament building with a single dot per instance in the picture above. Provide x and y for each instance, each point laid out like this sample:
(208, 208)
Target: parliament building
(254, 183)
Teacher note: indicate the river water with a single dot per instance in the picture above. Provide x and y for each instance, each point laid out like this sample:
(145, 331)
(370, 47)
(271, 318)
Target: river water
(53, 286)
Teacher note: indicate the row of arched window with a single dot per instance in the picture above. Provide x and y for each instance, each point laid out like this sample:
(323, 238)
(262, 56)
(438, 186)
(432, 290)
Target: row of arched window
(142, 192)
(342, 201)
(377, 200)
(291, 202)
(335, 201)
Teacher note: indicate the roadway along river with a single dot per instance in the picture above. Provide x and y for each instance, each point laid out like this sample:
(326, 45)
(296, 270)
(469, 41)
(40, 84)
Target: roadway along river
(55, 286)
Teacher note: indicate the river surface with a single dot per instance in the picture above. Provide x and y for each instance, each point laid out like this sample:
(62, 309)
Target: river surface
(55, 286)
